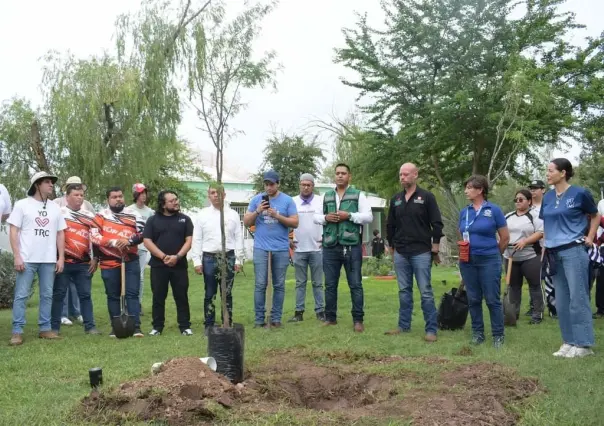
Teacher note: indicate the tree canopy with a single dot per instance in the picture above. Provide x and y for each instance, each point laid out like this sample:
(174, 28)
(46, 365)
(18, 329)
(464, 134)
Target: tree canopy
(462, 86)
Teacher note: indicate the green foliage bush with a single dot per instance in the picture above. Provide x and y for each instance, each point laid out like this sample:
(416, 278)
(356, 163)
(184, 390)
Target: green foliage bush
(8, 278)
(378, 267)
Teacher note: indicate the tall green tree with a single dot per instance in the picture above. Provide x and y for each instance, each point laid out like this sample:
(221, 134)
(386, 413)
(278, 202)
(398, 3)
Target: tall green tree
(290, 156)
(111, 119)
(219, 62)
(462, 87)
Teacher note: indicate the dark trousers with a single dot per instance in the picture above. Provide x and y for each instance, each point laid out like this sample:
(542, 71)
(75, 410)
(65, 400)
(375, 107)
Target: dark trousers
(351, 257)
(211, 278)
(161, 279)
(599, 276)
(531, 270)
(112, 278)
(76, 273)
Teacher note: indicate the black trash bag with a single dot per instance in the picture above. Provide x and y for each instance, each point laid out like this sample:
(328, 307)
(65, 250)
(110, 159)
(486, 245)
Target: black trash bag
(453, 310)
(225, 345)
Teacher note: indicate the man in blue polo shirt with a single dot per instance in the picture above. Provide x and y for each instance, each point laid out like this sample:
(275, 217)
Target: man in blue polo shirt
(272, 219)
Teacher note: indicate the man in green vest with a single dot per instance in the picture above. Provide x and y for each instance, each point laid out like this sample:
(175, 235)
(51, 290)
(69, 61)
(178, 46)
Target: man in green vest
(345, 211)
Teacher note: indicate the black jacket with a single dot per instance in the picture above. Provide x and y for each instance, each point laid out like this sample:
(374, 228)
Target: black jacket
(414, 225)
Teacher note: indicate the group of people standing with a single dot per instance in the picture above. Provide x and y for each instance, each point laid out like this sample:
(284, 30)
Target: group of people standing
(550, 236)
(64, 241)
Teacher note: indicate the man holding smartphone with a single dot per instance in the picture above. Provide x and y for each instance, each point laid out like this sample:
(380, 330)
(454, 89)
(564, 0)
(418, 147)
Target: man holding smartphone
(272, 213)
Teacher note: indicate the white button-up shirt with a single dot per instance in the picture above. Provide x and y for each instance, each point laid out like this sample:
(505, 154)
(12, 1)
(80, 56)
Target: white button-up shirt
(207, 238)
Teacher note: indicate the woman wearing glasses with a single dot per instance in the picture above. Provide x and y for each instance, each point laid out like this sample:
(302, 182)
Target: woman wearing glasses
(570, 221)
(479, 224)
(526, 229)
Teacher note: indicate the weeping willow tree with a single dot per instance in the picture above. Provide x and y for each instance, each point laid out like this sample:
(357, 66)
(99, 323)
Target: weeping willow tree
(219, 65)
(113, 119)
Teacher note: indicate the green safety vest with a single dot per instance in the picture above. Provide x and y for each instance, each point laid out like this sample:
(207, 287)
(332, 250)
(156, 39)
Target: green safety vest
(344, 233)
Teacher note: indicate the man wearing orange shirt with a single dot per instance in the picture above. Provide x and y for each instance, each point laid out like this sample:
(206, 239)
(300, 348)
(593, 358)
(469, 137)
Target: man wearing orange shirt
(118, 230)
(79, 264)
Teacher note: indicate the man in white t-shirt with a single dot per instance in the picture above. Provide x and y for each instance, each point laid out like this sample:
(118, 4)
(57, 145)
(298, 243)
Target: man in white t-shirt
(140, 197)
(36, 235)
(307, 245)
(5, 203)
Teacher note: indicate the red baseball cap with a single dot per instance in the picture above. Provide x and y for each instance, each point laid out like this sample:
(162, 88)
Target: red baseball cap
(138, 188)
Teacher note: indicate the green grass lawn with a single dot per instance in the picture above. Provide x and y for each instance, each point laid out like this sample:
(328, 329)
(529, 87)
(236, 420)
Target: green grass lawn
(42, 381)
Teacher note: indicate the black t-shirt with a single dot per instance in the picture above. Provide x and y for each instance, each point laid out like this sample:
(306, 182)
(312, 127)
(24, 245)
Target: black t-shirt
(377, 246)
(168, 233)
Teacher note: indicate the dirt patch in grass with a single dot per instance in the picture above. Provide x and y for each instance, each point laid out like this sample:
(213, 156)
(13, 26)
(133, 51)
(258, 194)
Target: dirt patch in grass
(186, 391)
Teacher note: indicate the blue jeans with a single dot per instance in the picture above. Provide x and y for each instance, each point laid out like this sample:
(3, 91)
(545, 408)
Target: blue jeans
(46, 277)
(71, 302)
(333, 260)
(279, 263)
(406, 267)
(211, 279)
(302, 261)
(572, 296)
(482, 278)
(113, 288)
(75, 274)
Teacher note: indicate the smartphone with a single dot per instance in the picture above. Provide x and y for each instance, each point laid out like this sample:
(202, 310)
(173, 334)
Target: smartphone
(265, 199)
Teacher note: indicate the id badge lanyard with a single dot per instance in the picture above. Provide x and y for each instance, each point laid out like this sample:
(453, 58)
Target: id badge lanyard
(466, 234)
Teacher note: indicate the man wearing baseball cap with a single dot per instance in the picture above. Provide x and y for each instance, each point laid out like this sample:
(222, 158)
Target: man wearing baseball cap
(36, 237)
(537, 188)
(71, 305)
(273, 213)
(140, 198)
(306, 241)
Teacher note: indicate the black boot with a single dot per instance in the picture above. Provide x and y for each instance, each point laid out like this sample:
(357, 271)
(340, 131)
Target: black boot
(297, 317)
(321, 316)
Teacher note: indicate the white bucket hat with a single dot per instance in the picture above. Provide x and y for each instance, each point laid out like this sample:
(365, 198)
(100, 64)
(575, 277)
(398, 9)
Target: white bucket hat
(73, 180)
(38, 177)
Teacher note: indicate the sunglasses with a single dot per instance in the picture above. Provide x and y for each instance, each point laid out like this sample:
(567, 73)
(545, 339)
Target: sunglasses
(519, 200)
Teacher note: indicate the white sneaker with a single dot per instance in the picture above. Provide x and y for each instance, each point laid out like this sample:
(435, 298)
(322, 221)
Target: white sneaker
(187, 332)
(66, 321)
(564, 349)
(577, 352)
(80, 319)
(154, 332)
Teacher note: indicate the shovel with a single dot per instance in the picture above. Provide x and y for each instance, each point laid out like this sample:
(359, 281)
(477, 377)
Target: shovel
(269, 291)
(123, 324)
(509, 308)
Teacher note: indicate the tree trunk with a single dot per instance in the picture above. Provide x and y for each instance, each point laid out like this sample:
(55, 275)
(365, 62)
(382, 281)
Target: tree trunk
(38, 151)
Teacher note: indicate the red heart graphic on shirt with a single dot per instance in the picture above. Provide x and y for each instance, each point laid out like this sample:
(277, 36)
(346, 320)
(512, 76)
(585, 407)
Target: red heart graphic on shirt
(42, 222)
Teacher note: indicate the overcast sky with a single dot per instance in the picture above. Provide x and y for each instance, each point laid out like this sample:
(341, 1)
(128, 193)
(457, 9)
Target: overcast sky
(303, 33)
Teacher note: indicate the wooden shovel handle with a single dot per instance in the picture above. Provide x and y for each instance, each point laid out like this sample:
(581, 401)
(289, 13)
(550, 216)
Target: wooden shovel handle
(508, 274)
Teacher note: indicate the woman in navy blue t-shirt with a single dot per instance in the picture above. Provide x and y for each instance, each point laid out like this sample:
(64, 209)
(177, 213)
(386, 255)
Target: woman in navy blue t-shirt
(570, 222)
(479, 224)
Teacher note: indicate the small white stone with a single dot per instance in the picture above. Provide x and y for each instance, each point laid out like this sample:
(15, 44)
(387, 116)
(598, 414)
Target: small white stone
(156, 367)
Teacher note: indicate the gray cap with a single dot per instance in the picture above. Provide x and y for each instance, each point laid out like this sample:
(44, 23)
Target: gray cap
(307, 176)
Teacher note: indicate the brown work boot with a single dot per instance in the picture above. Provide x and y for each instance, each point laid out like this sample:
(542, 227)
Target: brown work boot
(49, 335)
(430, 337)
(16, 339)
(359, 327)
(327, 323)
(275, 324)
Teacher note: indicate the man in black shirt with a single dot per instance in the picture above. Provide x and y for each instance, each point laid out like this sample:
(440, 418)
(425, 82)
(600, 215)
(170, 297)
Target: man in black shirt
(414, 229)
(168, 235)
(377, 245)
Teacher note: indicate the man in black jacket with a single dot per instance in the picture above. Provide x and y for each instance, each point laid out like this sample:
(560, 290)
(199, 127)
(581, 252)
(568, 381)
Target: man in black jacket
(414, 230)
(168, 236)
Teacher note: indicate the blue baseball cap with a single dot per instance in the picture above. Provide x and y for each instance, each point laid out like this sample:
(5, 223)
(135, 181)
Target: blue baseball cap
(271, 176)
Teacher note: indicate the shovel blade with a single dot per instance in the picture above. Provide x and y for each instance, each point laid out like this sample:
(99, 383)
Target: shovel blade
(509, 311)
(123, 325)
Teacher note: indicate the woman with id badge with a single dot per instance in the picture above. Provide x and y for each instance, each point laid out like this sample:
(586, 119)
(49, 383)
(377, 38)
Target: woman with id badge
(480, 259)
